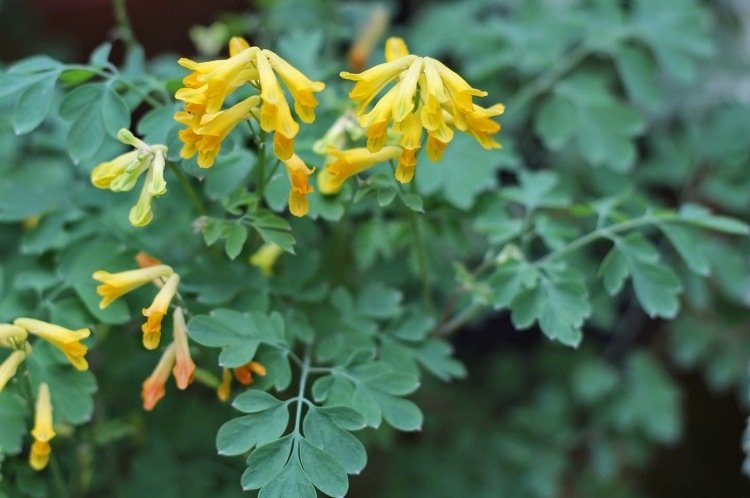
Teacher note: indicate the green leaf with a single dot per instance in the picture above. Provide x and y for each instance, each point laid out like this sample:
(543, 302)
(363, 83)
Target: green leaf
(638, 73)
(604, 126)
(687, 242)
(34, 105)
(13, 410)
(254, 401)
(274, 230)
(509, 279)
(375, 300)
(413, 202)
(614, 271)
(235, 235)
(86, 134)
(291, 481)
(656, 287)
(266, 462)
(594, 380)
(702, 217)
(536, 190)
(115, 112)
(100, 55)
(321, 430)
(677, 31)
(555, 122)
(241, 434)
(71, 390)
(323, 470)
(238, 334)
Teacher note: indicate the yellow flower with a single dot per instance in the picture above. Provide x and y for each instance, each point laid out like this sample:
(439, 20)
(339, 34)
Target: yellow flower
(122, 173)
(115, 285)
(213, 128)
(184, 367)
(66, 340)
(153, 386)
(43, 432)
(155, 313)
(347, 163)
(275, 115)
(126, 168)
(299, 85)
(244, 374)
(298, 173)
(265, 258)
(210, 83)
(215, 80)
(426, 95)
(11, 336)
(9, 367)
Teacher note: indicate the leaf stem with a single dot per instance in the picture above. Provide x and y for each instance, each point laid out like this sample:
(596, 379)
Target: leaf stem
(189, 190)
(301, 391)
(122, 20)
(261, 164)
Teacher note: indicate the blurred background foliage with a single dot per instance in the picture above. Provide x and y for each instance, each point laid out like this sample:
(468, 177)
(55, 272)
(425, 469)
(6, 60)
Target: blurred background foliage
(644, 103)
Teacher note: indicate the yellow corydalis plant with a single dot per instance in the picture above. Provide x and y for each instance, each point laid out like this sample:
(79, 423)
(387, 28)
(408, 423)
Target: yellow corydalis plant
(43, 432)
(426, 96)
(153, 388)
(115, 285)
(122, 173)
(211, 83)
(66, 340)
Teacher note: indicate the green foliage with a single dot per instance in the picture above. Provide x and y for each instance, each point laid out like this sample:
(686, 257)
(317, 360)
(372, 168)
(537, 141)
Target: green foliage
(611, 229)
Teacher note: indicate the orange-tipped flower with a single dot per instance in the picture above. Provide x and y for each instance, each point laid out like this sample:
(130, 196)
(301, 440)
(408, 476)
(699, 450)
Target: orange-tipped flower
(244, 374)
(43, 432)
(153, 387)
(145, 260)
(298, 174)
(184, 367)
(155, 313)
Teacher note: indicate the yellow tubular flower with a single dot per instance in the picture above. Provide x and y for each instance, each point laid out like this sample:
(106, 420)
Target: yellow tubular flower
(275, 114)
(347, 163)
(184, 367)
(214, 128)
(298, 173)
(300, 86)
(369, 83)
(225, 388)
(9, 367)
(11, 335)
(395, 48)
(265, 258)
(66, 340)
(43, 432)
(105, 173)
(115, 285)
(481, 127)
(155, 313)
(153, 386)
(425, 95)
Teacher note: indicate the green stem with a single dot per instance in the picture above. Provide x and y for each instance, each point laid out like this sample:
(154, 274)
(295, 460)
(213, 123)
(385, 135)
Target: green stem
(472, 311)
(122, 20)
(61, 489)
(301, 391)
(261, 175)
(189, 190)
(421, 258)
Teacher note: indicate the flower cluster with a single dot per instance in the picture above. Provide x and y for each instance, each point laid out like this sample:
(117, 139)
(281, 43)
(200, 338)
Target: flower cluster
(15, 336)
(176, 357)
(122, 173)
(208, 124)
(426, 96)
